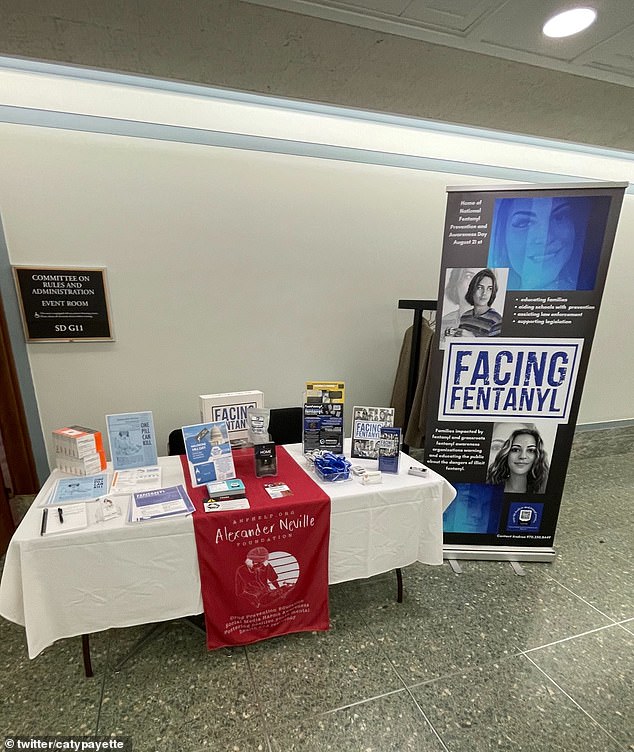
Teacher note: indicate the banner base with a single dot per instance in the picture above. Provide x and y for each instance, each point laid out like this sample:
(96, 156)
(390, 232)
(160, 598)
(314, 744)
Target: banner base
(498, 553)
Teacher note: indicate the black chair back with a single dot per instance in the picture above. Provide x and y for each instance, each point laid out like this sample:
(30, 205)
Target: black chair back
(285, 425)
(175, 442)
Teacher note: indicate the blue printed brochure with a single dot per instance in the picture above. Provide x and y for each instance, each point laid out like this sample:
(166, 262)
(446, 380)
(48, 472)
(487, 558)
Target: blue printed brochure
(208, 452)
(78, 488)
(389, 449)
(159, 503)
(132, 440)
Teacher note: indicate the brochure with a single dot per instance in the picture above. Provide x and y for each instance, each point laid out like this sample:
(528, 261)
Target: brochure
(132, 440)
(64, 519)
(323, 416)
(78, 488)
(136, 479)
(277, 490)
(160, 503)
(366, 430)
(208, 452)
(389, 449)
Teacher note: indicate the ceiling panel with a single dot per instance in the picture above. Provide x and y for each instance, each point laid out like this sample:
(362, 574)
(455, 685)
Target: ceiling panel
(615, 55)
(449, 15)
(509, 29)
(387, 7)
(518, 26)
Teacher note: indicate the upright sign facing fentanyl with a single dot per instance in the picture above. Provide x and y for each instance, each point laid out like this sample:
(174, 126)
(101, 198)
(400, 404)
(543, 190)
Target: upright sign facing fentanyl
(63, 304)
(522, 277)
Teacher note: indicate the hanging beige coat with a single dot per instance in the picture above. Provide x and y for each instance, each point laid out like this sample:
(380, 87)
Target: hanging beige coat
(414, 431)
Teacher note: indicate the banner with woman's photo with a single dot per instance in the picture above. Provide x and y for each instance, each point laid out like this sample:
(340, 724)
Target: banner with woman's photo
(522, 276)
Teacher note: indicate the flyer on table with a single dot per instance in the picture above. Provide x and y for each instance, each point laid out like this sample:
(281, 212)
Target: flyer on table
(132, 440)
(79, 488)
(208, 450)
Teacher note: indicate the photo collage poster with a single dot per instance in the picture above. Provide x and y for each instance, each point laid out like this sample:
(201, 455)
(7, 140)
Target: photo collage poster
(522, 276)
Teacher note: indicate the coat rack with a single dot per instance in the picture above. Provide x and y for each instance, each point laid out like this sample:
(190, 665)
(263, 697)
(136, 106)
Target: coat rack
(418, 306)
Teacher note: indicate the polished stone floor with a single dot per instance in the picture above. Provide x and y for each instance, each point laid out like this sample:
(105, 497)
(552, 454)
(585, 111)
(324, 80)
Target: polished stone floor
(482, 661)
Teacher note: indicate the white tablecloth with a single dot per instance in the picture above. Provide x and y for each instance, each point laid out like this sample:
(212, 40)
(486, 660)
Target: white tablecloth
(116, 574)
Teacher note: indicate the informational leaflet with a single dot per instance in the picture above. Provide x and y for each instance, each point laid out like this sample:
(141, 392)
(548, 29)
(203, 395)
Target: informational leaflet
(132, 440)
(208, 452)
(136, 479)
(160, 503)
(323, 416)
(78, 488)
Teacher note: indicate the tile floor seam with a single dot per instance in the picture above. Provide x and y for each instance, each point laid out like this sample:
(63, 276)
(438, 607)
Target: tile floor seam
(465, 669)
(572, 699)
(403, 690)
(582, 599)
(254, 686)
(402, 680)
(517, 651)
(382, 650)
(428, 722)
(567, 639)
(420, 710)
(354, 704)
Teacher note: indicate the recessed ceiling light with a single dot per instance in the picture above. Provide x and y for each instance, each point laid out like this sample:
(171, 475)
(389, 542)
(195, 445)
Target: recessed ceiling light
(569, 22)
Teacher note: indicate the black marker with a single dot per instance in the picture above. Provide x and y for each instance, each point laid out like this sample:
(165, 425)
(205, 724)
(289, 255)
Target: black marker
(61, 515)
(44, 518)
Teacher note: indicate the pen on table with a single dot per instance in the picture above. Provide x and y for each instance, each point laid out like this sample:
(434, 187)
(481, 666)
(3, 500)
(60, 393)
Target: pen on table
(44, 518)
(61, 515)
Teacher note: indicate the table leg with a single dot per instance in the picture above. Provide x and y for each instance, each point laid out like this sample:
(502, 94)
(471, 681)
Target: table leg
(153, 632)
(85, 648)
(399, 585)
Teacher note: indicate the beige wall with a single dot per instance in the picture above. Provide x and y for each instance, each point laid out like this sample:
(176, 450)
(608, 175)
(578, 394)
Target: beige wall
(234, 269)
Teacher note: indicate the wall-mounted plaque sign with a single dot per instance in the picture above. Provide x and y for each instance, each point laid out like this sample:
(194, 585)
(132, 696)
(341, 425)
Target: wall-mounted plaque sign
(63, 304)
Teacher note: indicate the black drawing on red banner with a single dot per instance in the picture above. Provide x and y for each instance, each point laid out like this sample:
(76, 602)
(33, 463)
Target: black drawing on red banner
(266, 578)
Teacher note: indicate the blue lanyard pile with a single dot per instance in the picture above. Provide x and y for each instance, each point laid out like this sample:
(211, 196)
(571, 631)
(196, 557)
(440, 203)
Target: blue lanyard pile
(332, 467)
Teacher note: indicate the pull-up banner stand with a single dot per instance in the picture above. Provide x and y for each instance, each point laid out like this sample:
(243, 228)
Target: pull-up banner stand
(522, 276)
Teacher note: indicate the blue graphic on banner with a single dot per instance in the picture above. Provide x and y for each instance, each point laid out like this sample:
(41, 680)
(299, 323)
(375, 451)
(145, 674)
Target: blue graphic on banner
(549, 243)
(524, 518)
(476, 509)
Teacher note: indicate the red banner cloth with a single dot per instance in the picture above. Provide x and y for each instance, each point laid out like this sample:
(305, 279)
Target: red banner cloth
(263, 570)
